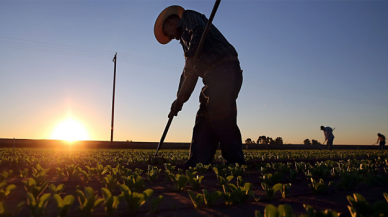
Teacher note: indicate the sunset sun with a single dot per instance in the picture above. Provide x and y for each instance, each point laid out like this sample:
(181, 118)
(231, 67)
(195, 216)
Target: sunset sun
(70, 130)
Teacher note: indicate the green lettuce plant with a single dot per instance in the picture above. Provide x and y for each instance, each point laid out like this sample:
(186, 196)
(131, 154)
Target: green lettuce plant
(237, 170)
(169, 167)
(270, 210)
(359, 207)
(350, 180)
(282, 188)
(152, 173)
(197, 199)
(110, 182)
(269, 191)
(223, 172)
(111, 202)
(135, 184)
(320, 187)
(311, 212)
(85, 177)
(233, 194)
(179, 180)
(133, 199)
(240, 181)
(56, 190)
(63, 205)
(6, 212)
(23, 173)
(210, 199)
(5, 191)
(195, 182)
(31, 186)
(224, 181)
(37, 207)
(200, 168)
(155, 202)
(88, 201)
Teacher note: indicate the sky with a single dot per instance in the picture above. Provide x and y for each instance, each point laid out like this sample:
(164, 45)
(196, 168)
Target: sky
(305, 63)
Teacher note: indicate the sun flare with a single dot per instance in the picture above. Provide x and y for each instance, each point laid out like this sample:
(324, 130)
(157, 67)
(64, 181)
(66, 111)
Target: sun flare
(70, 130)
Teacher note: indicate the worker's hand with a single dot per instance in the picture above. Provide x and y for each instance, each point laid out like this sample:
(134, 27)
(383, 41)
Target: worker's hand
(175, 108)
(189, 69)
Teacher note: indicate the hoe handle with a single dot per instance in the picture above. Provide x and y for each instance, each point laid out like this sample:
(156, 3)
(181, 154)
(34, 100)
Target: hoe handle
(199, 48)
(164, 135)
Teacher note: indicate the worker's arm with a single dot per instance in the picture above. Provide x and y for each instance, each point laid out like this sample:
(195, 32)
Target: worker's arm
(186, 87)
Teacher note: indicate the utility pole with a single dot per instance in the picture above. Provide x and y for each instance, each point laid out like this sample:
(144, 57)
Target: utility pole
(113, 100)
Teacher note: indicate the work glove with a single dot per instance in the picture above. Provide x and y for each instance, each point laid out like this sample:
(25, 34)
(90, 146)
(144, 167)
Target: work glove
(175, 108)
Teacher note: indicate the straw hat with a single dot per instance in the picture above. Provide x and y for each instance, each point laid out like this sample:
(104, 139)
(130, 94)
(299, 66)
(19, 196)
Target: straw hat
(158, 28)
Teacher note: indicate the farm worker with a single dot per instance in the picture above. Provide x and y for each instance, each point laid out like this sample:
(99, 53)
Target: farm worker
(329, 137)
(219, 68)
(381, 138)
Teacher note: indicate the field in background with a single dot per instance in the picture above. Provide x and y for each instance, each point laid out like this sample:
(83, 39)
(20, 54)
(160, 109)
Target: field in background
(30, 143)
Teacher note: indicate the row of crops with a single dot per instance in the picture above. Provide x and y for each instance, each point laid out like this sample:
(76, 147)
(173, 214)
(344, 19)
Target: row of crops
(26, 157)
(120, 182)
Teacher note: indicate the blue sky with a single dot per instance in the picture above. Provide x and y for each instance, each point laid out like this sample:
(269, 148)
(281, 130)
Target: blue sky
(306, 64)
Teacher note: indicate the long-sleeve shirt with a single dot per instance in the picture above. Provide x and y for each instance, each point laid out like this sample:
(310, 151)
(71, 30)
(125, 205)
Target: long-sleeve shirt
(328, 133)
(215, 47)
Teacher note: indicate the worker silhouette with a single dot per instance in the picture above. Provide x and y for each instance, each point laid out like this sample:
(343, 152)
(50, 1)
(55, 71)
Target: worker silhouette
(381, 139)
(329, 137)
(219, 68)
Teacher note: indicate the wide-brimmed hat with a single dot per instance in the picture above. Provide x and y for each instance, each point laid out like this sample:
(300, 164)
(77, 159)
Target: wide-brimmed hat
(158, 28)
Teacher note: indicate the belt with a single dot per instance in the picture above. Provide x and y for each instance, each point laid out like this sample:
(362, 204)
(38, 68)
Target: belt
(219, 62)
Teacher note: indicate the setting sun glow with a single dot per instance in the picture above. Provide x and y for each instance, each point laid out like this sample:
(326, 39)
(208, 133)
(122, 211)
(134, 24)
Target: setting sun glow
(70, 130)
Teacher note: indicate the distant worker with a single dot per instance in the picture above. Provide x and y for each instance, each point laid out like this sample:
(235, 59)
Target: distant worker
(329, 136)
(381, 139)
(219, 68)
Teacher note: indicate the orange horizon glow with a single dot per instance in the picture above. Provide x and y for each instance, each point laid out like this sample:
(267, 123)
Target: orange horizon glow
(70, 130)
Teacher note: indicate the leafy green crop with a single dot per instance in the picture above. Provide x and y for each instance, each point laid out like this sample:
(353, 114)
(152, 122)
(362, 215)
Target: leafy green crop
(31, 186)
(210, 199)
(152, 173)
(195, 182)
(37, 208)
(23, 173)
(179, 180)
(155, 203)
(110, 182)
(88, 201)
(233, 194)
(197, 199)
(135, 184)
(133, 199)
(282, 188)
(5, 192)
(111, 202)
(63, 205)
(359, 207)
(56, 190)
(269, 191)
(320, 187)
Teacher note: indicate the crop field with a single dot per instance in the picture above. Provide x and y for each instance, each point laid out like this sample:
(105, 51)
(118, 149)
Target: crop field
(124, 182)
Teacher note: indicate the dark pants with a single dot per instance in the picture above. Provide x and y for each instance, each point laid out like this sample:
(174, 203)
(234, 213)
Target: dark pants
(330, 144)
(216, 120)
(382, 144)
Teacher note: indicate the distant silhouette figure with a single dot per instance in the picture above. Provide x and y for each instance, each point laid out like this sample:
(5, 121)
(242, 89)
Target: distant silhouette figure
(381, 139)
(329, 136)
(219, 68)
